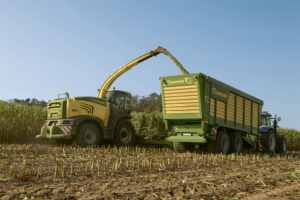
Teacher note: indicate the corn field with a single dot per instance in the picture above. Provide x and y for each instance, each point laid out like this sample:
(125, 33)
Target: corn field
(20, 124)
(292, 136)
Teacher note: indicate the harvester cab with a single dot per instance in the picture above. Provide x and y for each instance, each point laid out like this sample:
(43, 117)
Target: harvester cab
(119, 99)
(268, 133)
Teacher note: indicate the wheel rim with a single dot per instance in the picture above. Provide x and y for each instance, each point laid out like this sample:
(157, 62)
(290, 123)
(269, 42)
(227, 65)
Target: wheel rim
(225, 144)
(125, 134)
(284, 146)
(238, 144)
(272, 142)
(90, 136)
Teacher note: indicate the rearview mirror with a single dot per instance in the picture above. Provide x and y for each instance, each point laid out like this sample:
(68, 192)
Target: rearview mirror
(278, 118)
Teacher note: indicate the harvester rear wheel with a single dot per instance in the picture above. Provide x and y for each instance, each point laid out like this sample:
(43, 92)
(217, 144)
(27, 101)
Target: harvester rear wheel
(236, 143)
(183, 147)
(124, 133)
(268, 141)
(282, 147)
(88, 134)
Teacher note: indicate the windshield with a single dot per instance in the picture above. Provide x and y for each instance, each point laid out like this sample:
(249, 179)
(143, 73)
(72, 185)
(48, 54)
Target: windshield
(120, 99)
(265, 121)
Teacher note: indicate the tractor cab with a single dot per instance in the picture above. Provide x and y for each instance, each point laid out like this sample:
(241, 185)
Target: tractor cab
(120, 99)
(265, 119)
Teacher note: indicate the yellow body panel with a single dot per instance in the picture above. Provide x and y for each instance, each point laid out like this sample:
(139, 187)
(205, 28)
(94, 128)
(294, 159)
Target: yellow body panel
(180, 94)
(183, 90)
(182, 105)
(231, 107)
(81, 108)
(181, 87)
(247, 112)
(255, 115)
(184, 112)
(212, 106)
(221, 109)
(181, 99)
(239, 109)
(175, 101)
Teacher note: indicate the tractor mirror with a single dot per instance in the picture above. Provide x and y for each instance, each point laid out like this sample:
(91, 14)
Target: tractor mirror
(278, 118)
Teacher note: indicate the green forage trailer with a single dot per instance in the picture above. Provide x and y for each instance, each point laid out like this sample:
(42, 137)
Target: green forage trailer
(200, 110)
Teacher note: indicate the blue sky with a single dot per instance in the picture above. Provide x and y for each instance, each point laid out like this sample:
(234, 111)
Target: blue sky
(51, 47)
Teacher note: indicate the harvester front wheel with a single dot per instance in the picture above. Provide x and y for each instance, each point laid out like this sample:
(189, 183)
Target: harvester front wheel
(236, 143)
(268, 141)
(282, 147)
(88, 134)
(124, 133)
(183, 147)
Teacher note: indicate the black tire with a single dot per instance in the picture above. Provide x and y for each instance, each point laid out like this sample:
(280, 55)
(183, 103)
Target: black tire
(236, 143)
(222, 142)
(268, 141)
(124, 133)
(63, 142)
(282, 147)
(88, 134)
(183, 147)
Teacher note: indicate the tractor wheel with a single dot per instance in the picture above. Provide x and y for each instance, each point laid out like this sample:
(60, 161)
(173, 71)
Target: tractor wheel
(88, 134)
(63, 142)
(282, 147)
(236, 143)
(268, 141)
(183, 147)
(222, 142)
(124, 133)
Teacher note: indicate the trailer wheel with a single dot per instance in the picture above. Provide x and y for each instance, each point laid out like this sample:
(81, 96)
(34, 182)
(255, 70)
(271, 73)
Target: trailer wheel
(223, 142)
(268, 141)
(183, 147)
(282, 147)
(236, 143)
(124, 133)
(88, 134)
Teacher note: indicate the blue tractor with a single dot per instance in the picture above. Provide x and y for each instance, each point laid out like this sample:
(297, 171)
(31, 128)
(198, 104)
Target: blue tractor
(269, 139)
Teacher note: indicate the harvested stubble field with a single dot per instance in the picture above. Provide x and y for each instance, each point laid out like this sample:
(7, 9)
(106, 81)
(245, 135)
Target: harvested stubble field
(52, 172)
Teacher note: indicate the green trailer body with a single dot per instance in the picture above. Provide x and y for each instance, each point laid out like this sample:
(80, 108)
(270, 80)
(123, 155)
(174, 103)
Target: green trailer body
(196, 106)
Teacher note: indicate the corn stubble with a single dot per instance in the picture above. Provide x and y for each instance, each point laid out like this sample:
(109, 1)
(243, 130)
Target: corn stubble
(195, 173)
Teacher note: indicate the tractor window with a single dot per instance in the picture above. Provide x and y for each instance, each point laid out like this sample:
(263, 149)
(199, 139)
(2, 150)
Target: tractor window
(127, 100)
(110, 97)
(263, 121)
(269, 122)
(120, 99)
